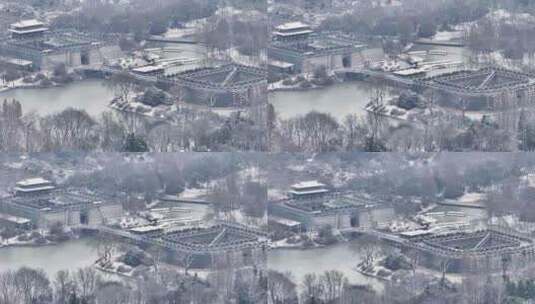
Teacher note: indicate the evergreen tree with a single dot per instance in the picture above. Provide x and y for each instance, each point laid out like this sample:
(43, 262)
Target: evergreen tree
(135, 143)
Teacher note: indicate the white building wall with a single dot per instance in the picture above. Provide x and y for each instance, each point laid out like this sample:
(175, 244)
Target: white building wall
(365, 219)
(383, 215)
(376, 217)
(324, 221)
(331, 62)
(48, 219)
(310, 64)
(337, 62)
(112, 211)
(51, 61)
(95, 58)
(75, 59)
(103, 214)
(337, 221)
(357, 59)
(95, 217)
(109, 53)
(70, 59)
(73, 217)
(344, 221)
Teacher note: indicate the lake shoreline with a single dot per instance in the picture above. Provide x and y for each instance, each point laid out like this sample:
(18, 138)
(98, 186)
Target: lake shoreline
(35, 86)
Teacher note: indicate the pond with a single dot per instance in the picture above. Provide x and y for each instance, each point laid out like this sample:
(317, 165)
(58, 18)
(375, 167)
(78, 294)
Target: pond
(90, 95)
(339, 100)
(350, 97)
(69, 255)
(342, 257)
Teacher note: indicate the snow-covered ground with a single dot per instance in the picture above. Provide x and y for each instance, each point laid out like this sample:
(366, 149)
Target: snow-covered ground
(193, 193)
(469, 198)
(448, 35)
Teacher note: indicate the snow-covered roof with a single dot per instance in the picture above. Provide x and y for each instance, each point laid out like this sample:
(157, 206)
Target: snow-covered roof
(27, 23)
(14, 219)
(294, 33)
(280, 64)
(33, 182)
(16, 61)
(41, 188)
(413, 233)
(28, 31)
(307, 192)
(292, 26)
(143, 229)
(284, 221)
(308, 184)
(409, 72)
(148, 69)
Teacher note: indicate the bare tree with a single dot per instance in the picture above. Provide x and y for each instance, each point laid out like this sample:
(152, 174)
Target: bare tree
(123, 84)
(313, 289)
(113, 294)
(64, 286)
(369, 249)
(87, 281)
(8, 290)
(280, 288)
(334, 282)
(376, 120)
(445, 263)
(32, 285)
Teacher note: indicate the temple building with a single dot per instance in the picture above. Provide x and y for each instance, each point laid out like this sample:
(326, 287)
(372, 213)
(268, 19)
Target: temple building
(44, 205)
(33, 186)
(31, 41)
(307, 189)
(292, 32)
(27, 29)
(313, 206)
(297, 48)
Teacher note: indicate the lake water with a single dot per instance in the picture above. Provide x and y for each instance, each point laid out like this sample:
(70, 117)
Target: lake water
(69, 255)
(90, 95)
(342, 257)
(339, 100)
(349, 97)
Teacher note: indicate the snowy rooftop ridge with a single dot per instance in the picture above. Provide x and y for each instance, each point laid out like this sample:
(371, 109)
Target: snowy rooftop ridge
(292, 26)
(33, 182)
(27, 23)
(308, 184)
